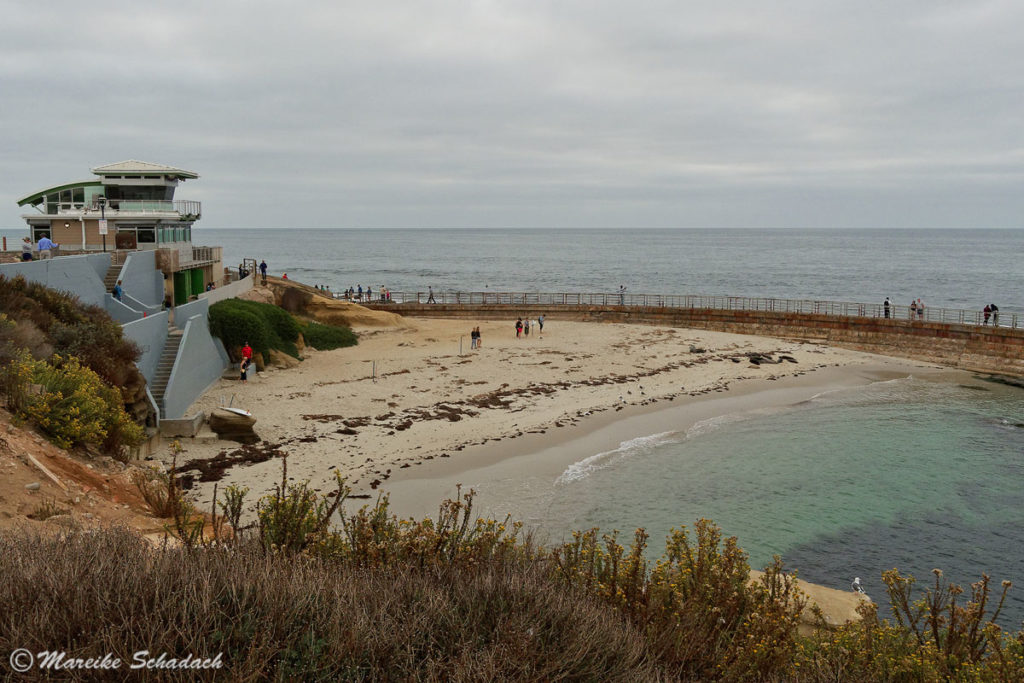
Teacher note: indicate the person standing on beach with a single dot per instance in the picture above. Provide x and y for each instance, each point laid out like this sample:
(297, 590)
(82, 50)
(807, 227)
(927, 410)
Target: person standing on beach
(479, 339)
(886, 306)
(244, 370)
(526, 327)
(540, 324)
(519, 328)
(472, 338)
(263, 271)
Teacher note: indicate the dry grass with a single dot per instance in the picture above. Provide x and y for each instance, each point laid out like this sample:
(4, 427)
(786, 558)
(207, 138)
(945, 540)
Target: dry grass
(372, 597)
(300, 617)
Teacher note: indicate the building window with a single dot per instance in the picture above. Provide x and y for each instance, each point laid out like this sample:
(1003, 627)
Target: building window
(147, 235)
(39, 232)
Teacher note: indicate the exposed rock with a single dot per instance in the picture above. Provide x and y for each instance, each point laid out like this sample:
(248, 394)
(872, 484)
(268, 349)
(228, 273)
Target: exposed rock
(280, 359)
(229, 424)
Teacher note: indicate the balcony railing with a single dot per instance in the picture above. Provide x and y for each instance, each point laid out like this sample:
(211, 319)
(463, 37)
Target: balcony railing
(182, 207)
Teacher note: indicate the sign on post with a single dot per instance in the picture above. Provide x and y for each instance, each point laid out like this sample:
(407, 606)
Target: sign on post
(103, 227)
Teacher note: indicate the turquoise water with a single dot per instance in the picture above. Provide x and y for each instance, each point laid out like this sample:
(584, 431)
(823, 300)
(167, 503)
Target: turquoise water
(909, 474)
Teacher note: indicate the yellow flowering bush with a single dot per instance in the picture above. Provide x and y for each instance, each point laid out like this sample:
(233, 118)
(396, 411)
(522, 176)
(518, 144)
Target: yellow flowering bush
(69, 402)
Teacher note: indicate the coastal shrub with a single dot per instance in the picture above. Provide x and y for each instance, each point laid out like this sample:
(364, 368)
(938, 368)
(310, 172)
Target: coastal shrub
(326, 337)
(931, 637)
(70, 328)
(70, 404)
(264, 326)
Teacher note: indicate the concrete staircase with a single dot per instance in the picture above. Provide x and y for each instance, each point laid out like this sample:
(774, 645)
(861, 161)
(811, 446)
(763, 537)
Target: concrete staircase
(164, 367)
(112, 276)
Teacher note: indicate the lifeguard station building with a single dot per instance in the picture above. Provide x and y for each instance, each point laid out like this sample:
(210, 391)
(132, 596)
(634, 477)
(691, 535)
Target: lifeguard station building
(129, 207)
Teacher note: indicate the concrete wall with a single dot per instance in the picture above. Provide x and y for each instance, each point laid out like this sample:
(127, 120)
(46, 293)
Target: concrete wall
(119, 311)
(78, 275)
(198, 365)
(969, 347)
(150, 334)
(141, 280)
(229, 291)
(183, 313)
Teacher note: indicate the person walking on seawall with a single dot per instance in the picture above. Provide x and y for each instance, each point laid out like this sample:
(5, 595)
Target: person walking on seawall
(995, 314)
(622, 295)
(263, 271)
(430, 296)
(988, 312)
(45, 247)
(26, 249)
(369, 294)
(913, 309)
(886, 306)
(920, 310)
(117, 293)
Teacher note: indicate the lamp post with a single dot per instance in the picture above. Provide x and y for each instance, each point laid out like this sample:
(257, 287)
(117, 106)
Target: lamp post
(102, 201)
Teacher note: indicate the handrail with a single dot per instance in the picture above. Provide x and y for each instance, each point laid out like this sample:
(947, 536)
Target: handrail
(183, 207)
(733, 303)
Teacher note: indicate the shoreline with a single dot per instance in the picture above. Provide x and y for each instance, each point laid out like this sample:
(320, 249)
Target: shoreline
(413, 492)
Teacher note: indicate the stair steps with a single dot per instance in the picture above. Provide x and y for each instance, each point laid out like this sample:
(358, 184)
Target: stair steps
(165, 365)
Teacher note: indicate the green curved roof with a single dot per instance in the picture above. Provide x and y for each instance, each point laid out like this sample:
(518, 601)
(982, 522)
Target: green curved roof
(37, 197)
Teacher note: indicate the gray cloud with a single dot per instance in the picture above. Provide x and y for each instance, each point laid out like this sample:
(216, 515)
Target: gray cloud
(408, 114)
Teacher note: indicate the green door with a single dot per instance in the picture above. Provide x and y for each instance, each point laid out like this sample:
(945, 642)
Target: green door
(181, 282)
(198, 281)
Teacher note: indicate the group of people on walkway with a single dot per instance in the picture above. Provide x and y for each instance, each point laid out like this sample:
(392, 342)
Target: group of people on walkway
(358, 293)
(916, 311)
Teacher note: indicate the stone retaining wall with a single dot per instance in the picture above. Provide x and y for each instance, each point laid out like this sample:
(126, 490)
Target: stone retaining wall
(970, 347)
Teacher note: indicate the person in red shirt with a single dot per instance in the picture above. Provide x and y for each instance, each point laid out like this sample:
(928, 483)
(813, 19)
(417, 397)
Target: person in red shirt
(247, 352)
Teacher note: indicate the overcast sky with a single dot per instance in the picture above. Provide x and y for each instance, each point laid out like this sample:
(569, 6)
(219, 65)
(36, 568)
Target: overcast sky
(529, 114)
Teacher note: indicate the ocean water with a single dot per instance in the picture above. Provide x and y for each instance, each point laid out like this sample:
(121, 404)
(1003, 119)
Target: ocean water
(906, 474)
(945, 268)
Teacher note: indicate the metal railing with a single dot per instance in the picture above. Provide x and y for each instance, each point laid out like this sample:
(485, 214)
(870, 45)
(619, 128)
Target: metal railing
(731, 303)
(182, 207)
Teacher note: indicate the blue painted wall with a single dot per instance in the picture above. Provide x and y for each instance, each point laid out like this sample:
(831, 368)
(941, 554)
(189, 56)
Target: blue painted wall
(78, 275)
(141, 280)
(199, 364)
(150, 334)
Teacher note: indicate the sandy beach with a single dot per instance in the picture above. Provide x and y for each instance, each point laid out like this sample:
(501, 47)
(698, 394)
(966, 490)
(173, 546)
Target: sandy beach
(416, 404)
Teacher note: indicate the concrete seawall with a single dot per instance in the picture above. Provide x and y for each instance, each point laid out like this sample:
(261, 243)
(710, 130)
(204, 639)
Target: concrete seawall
(970, 347)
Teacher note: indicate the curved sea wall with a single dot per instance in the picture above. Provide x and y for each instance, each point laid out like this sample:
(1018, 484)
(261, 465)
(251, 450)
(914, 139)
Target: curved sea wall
(970, 347)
